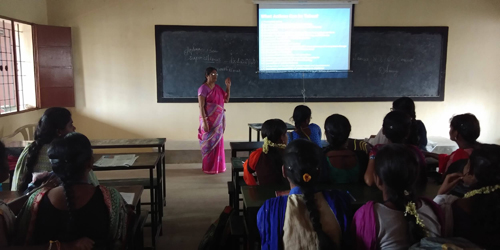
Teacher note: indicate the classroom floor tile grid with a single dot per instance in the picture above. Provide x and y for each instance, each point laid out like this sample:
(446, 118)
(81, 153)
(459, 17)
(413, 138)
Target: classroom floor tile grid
(194, 201)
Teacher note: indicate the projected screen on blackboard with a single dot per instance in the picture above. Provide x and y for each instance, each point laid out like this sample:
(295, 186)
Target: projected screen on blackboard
(300, 37)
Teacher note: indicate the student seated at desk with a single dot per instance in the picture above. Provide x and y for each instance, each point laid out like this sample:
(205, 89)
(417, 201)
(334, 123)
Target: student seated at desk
(304, 219)
(464, 130)
(396, 128)
(7, 218)
(55, 123)
(76, 213)
(418, 133)
(344, 165)
(303, 127)
(266, 162)
(401, 219)
(475, 217)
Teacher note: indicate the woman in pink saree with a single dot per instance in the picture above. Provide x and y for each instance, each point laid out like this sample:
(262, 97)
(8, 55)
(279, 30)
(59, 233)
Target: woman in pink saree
(211, 98)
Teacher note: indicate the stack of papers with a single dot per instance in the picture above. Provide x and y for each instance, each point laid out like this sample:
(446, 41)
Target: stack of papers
(116, 160)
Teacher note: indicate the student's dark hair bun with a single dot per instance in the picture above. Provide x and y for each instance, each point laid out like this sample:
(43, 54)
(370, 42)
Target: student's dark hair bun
(467, 127)
(397, 126)
(337, 130)
(301, 114)
(273, 129)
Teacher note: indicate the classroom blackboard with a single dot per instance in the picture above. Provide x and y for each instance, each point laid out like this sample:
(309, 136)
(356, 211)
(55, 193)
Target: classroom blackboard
(386, 63)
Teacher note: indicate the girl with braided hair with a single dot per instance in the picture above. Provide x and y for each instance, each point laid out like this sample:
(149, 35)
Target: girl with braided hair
(55, 123)
(304, 219)
(75, 215)
(265, 163)
(402, 219)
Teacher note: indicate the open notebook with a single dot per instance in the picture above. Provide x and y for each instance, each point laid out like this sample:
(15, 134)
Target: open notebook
(116, 160)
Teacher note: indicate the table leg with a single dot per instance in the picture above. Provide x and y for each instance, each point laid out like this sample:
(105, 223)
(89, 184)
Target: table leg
(258, 135)
(249, 134)
(164, 180)
(138, 208)
(139, 241)
(236, 195)
(153, 208)
(159, 194)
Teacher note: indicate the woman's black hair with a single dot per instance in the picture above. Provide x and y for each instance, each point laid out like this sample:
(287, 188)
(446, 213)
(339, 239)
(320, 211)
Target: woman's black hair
(208, 71)
(396, 126)
(398, 168)
(337, 130)
(69, 157)
(305, 157)
(485, 165)
(467, 127)
(4, 165)
(301, 114)
(273, 130)
(406, 105)
(52, 120)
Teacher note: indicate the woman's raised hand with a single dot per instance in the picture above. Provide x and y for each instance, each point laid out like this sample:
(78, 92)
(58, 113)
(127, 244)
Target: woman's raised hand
(228, 82)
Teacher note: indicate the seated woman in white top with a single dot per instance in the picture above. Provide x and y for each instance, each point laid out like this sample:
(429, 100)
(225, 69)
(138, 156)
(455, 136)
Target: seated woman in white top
(401, 219)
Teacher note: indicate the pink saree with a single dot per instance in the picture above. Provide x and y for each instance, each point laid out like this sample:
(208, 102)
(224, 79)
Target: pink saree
(212, 142)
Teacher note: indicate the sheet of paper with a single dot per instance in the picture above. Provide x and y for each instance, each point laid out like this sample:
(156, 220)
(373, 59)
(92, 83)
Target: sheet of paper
(116, 160)
(128, 197)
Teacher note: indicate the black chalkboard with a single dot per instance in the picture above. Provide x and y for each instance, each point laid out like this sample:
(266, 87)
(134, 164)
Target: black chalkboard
(386, 63)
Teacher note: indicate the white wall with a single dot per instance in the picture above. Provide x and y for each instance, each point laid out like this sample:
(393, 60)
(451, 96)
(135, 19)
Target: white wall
(115, 69)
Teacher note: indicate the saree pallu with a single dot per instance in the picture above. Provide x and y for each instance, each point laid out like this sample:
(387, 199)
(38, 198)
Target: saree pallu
(118, 215)
(212, 142)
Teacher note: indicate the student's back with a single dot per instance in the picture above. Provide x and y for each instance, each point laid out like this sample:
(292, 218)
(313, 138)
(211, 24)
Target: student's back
(75, 211)
(89, 213)
(304, 129)
(344, 165)
(396, 128)
(263, 167)
(305, 219)
(475, 217)
(402, 219)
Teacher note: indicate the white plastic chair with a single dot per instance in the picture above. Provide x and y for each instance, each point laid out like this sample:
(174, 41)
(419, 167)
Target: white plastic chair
(28, 132)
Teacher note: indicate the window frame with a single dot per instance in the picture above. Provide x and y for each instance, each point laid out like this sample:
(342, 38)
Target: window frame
(35, 68)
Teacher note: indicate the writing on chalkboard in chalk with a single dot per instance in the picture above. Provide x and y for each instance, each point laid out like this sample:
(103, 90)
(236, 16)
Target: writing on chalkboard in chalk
(386, 63)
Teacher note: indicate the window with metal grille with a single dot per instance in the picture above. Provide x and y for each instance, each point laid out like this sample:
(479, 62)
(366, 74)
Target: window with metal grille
(17, 68)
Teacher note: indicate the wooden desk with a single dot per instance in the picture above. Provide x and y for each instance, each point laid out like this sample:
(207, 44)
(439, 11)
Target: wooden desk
(236, 169)
(255, 196)
(148, 161)
(137, 143)
(244, 146)
(258, 127)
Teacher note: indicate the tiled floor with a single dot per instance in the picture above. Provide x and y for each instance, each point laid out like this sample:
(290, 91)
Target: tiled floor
(194, 201)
